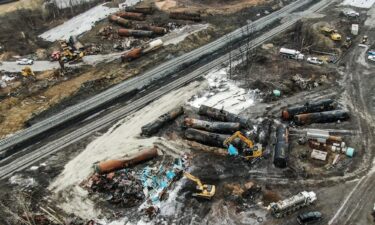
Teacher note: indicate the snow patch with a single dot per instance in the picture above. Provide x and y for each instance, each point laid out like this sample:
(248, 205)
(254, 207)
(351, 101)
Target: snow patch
(177, 35)
(224, 93)
(359, 3)
(19, 180)
(78, 24)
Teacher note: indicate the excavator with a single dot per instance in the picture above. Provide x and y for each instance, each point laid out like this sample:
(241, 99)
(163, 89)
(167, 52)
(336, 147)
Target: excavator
(27, 72)
(334, 34)
(207, 191)
(251, 152)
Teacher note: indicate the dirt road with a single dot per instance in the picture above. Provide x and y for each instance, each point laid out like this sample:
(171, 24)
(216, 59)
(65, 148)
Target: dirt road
(357, 205)
(39, 66)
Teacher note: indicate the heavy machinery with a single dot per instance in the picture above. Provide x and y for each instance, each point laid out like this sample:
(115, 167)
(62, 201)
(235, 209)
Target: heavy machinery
(27, 72)
(251, 152)
(348, 43)
(364, 39)
(207, 191)
(333, 34)
(68, 54)
(282, 208)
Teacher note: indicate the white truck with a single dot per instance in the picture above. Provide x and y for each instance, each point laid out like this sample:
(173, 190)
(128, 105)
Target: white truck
(281, 208)
(291, 53)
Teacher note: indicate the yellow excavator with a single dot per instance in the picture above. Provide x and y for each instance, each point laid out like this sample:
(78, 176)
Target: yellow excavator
(252, 151)
(26, 72)
(207, 191)
(334, 34)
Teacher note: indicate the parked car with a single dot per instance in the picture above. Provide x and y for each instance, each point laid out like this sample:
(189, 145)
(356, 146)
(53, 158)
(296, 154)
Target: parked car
(371, 58)
(309, 217)
(314, 60)
(351, 13)
(25, 61)
(371, 52)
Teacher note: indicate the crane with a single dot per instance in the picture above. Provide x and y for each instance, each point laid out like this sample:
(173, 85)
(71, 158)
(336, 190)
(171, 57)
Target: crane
(207, 191)
(252, 151)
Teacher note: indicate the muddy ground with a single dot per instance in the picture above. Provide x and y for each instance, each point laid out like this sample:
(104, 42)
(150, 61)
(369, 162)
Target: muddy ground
(220, 170)
(76, 86)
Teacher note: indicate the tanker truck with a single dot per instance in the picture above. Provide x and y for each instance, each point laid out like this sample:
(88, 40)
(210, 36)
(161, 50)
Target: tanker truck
(283, 207)
(291, 53)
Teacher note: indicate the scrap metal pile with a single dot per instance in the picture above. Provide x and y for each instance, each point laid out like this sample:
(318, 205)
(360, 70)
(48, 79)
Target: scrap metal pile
(120, 187)
(130, 187)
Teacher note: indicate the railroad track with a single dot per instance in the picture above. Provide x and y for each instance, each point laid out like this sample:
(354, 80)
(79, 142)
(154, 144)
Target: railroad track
(86, 130)
(147, 78)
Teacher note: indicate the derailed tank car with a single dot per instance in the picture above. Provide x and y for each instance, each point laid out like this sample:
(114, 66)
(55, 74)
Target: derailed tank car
(284, 207)
(282, 147)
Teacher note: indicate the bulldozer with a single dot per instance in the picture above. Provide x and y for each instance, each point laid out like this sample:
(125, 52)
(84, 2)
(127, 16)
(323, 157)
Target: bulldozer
(251, 152)
(333, 34)
(207, 191)
(27, 72)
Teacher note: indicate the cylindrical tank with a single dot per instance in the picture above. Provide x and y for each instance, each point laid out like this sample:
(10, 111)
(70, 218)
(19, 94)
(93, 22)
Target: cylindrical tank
(281, 208)
(131, 15)
(153, 45)
(309, 107)
(135, 53)
(282, 147)
(116, 164)
(216, 127)
(185, 16)
(321, 117)
(140, 9)
(134, 33)
(120, 21)
(156, 30)
(153, 127)
(204, 137)
(225, 116)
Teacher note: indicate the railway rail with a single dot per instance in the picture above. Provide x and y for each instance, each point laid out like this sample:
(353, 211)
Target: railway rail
(28, 159)
(147, 78)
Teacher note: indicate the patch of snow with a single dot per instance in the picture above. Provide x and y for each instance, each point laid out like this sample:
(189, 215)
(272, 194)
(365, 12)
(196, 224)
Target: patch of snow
(177, 35)
(78, 24)
(370, 21)
(22, 181)
(121, 221)
(62, 4)
(169, 207)
(128, 3)
(359, 3)
(224, 93)
(7, 78)
(33, 168)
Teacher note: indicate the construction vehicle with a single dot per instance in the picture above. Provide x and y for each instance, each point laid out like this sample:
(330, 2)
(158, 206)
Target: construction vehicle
(251, 152)
(27, 72)
(333, 34)
(207, 191)
(68, 54)
(348, 43)
(364, 39)
(291, 54)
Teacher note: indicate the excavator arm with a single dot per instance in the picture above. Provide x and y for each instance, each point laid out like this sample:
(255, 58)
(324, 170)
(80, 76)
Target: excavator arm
(255, 150)
(206, 191)
(195, 179)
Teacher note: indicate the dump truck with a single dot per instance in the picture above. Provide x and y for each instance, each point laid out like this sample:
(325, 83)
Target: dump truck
(332, 33)
(291, 54)
(284, 207)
